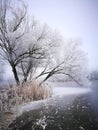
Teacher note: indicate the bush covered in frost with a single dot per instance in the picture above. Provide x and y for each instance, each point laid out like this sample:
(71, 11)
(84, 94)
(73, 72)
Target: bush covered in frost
(14, 96)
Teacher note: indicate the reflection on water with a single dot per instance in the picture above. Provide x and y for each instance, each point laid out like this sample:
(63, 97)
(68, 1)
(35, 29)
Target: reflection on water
(66, 113)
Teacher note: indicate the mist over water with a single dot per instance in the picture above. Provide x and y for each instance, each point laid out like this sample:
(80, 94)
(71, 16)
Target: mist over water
(58, 91)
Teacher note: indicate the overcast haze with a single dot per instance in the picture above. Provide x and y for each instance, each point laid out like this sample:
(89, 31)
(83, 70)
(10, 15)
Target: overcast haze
(73, 18)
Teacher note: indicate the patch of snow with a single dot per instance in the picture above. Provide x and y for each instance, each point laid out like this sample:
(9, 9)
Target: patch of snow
(81, 128)
(32, 105)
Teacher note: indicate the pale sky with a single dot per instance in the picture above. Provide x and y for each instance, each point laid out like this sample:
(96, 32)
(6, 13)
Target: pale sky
(73, 19)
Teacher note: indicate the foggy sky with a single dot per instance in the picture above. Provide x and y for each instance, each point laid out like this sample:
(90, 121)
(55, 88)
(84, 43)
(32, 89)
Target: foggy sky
(73, 18)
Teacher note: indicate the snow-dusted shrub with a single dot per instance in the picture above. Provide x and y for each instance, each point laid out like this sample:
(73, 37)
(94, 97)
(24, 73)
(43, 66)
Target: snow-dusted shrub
(44, 91)
(30, 91)
(33, 91)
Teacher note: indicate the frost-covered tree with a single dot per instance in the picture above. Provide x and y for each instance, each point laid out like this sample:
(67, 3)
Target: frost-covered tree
(12, 31)
(68, 60)
(28, 46)
(45, 41)
(24, 43)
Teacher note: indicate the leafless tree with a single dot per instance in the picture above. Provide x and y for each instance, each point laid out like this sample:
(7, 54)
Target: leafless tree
(23, 43)
(11, 35)
(27, 46)
(68, 60)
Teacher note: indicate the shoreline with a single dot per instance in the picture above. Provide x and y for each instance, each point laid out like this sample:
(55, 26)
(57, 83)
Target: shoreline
(9, 117)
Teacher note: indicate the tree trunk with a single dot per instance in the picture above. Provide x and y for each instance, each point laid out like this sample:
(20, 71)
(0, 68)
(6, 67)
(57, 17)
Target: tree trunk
(24, 80)
(47, 77)
(15, 75)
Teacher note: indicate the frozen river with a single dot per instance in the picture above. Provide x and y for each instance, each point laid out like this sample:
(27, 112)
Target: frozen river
(68, 109)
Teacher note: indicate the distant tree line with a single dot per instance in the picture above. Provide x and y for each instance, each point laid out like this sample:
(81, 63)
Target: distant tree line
(94, 75)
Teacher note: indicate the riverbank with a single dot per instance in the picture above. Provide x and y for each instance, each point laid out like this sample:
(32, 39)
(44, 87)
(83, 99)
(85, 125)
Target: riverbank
(13, 97)
(58, 92)
(60, 112)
